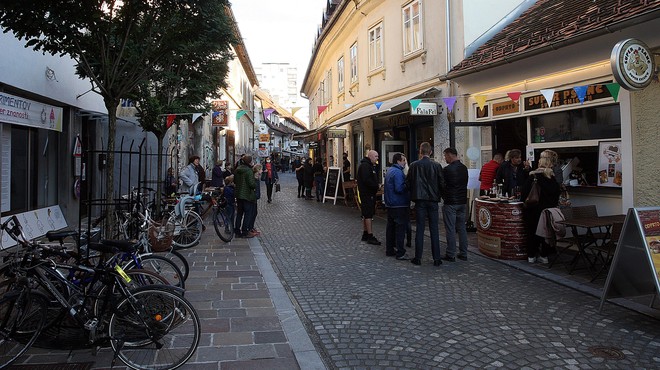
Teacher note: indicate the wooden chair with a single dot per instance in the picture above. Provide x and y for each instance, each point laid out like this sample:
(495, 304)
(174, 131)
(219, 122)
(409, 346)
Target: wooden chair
(588, 212)
(350, 192)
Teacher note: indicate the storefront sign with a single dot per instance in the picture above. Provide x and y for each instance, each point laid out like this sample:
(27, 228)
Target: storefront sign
(264, 138)
(293, 143)
(633, 64)
(220, 111)
(25, 112)
(335, 133)
(506, 107)
(566, 97)
(424, 109)
(481, 112)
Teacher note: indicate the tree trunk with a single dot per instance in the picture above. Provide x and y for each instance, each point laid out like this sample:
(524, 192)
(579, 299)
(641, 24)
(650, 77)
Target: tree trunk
(111, 104)
(159, 187)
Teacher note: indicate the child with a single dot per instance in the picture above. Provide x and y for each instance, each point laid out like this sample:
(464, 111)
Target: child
(228, 193)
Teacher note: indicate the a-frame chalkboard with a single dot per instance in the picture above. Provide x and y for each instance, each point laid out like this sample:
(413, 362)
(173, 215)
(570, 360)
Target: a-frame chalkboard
(635, 269)
(333, 189)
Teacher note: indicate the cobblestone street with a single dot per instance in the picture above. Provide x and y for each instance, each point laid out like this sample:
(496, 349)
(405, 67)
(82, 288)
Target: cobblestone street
(366, 310)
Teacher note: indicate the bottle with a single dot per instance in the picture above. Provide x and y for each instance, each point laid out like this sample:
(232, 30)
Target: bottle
(500, 187)
(493, 190)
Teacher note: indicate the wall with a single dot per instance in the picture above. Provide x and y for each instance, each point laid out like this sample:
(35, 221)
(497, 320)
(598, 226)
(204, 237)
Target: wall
(645, 139)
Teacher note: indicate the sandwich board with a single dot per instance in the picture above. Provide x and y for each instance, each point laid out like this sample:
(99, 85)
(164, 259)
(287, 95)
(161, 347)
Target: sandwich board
(333, 189)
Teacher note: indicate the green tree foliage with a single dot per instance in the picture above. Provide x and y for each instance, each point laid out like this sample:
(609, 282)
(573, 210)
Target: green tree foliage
(118, 44)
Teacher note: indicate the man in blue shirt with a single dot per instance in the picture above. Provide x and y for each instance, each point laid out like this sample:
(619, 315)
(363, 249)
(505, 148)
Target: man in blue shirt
(397, 201)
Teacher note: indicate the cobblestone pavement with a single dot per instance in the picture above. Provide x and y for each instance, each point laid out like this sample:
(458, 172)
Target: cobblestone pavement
(366, 310)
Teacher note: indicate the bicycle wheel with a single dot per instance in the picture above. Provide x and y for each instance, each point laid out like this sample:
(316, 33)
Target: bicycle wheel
(160, 265)
(188, 230)
(223, 226)
(154, 329)
(22, 317)
(179, 260)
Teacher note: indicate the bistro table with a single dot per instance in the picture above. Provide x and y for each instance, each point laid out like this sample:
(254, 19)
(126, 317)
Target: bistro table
(587, 238)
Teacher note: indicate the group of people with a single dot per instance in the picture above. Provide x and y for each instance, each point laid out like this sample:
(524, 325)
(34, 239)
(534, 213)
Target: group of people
(311, 175)
(512, 173)
(425, 183)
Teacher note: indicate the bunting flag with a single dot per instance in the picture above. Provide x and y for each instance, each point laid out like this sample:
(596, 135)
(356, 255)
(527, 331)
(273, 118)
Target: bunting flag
(268, 111)
(348, 105)
(481, 100)
(414, 103)
(548, 94)
(450, 101)
(515, 96)
(170, 120)
(240, 114)
(613, 88)
(378, 104)
(321, 108)
(294, 110)
(195, 116)
(581, 92)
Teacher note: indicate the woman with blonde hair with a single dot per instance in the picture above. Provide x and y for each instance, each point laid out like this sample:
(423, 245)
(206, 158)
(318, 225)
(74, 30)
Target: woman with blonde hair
(543, 176)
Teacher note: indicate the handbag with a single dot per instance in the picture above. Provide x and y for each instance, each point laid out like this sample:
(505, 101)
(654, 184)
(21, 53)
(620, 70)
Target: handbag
(534, 195)
(277, 187)
(564, 198)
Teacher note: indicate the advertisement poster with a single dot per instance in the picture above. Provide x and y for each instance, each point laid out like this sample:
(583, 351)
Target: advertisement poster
(609, 164)
(650, 221)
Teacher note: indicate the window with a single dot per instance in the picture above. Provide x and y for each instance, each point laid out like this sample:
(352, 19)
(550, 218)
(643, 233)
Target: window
(598, 123)
(376, 47)
(354, 61)
(328, 87)
(412, 27)
(340, 75)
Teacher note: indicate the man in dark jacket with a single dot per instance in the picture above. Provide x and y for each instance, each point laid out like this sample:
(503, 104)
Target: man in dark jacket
(453, 211)
(512, 172)
(426, 185)
(367, 186)
(397, 201)
(246, 197)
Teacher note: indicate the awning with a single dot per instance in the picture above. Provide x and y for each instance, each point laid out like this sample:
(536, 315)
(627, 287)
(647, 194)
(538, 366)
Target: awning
(371, 109)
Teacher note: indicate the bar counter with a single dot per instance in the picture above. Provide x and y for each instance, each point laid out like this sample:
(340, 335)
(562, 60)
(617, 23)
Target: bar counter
(500, 229)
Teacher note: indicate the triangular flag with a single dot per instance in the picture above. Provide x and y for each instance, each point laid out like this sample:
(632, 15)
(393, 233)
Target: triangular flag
(348, 105)
(170, 120)
(515, 96)
(613, 88)
(548, 94)
(581, 92)
(378, 104)
(268, 111)
(321, 108)
(414, 103)
(449, 102)
(240, 114)
(195, 116)
(481, 100)
(294, 110)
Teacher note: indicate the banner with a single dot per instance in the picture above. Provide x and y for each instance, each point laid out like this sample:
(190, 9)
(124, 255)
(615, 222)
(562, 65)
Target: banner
(220, 110)
(25, 112)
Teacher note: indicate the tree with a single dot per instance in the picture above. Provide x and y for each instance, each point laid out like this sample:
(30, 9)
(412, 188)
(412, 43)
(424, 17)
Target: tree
(115, 43)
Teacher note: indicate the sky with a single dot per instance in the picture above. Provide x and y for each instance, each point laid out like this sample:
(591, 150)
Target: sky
(279, 31)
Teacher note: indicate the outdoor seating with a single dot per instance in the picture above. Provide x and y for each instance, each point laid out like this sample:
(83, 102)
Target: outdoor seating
(604, 253)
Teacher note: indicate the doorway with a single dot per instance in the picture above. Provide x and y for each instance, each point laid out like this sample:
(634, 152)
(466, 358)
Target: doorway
(388, 149)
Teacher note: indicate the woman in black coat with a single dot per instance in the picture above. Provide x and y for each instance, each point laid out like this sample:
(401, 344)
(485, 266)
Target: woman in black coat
(548, 198)
(308, 178)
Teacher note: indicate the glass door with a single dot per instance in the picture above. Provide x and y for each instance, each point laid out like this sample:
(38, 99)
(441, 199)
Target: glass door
(388, 149)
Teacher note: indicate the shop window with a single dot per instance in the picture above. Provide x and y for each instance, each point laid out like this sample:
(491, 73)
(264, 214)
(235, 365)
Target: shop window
(422, 134)
(593, 123)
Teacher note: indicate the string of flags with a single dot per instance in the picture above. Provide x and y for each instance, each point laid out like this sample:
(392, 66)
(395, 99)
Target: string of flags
(548, 94)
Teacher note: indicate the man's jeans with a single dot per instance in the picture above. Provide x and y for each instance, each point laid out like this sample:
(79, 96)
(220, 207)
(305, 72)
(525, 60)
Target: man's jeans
(397, 223)
(454, 218)
(424, 210)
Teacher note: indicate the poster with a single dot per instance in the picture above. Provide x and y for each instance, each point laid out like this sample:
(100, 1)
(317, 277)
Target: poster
(610, 171)
(650, 222)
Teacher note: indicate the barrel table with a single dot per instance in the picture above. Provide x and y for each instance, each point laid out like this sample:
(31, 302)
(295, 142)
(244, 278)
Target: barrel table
(500, 229)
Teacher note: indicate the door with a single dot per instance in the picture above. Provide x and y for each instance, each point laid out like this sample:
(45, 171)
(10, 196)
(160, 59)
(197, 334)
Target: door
(388, 149)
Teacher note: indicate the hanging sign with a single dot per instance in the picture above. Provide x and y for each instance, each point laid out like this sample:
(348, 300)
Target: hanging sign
(424, 109)
(220, 108)
(77, 157)
(336, 133)
(264, 138)
(633, 64)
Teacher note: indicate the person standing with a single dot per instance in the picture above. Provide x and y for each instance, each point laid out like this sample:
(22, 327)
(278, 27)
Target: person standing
(246, 199)
(218, 175)
(488, 173)
(270, 177)
(308, 178)
(201, 175)
(454, 208)
(189, 177)
(257, 172)
(367, 186)
(346, 168)
(300, 176)
(426, 185)
(397, 201)
(513, 172)
(169, 185)
(537, 248)
(318, 178)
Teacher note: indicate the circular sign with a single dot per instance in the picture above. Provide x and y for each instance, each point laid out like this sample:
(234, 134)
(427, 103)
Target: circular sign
(263, 128)
(473, 153)
(632, 64)
(485, 218)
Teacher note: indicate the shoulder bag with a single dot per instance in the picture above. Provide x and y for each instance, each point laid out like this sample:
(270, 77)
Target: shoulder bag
(534, 195)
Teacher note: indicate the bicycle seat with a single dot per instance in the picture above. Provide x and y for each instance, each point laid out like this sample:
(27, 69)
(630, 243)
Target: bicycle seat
(113, 246)
(60, 235)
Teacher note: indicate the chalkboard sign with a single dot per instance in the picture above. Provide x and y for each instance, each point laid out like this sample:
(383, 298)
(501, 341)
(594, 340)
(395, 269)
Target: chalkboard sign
(333, 188)
(635, 269)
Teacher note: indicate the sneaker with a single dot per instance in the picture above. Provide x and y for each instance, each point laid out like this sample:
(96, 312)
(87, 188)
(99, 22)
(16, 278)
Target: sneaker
(531, 259)
(403, 258)
(365, 237)
(542, 260)
(415, 261)
(256, 231)
(462, 258)
(251, 234)
(450, 259)
(373, 241)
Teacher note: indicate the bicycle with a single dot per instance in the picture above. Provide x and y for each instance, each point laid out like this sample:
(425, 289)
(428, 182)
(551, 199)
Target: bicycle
(217, 202)
(139, 322)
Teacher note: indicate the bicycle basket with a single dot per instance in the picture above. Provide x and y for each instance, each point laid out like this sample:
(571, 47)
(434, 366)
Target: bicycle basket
(160, 236)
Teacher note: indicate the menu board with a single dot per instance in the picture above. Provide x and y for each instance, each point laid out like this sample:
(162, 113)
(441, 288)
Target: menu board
(610, 171)
(333, 190)
(635, 269)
